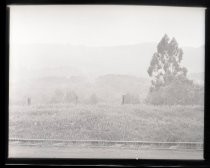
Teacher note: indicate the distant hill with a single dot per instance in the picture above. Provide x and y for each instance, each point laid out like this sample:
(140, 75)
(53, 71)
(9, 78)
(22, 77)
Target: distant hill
(108, 88)
(68, 60)
(38, 70)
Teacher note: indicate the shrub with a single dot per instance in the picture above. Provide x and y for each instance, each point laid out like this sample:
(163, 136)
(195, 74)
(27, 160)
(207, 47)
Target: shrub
(182, 92)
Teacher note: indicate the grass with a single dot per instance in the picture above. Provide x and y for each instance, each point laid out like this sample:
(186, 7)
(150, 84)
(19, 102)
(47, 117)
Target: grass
(108, 122)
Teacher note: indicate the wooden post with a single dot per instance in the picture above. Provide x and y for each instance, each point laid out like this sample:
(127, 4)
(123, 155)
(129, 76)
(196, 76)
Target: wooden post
(29, 101)
(123, 99)
(76, 99)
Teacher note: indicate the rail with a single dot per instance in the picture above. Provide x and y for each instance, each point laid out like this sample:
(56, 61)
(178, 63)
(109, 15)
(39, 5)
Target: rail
(142, 144)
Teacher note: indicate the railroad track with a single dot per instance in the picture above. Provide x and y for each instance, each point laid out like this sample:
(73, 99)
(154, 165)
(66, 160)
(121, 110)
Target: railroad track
(107, 143)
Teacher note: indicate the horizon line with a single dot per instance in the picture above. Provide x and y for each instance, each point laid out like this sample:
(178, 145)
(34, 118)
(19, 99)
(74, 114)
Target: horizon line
(95, 45)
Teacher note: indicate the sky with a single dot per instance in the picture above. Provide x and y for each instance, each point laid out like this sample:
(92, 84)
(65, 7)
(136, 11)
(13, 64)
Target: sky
(105, 25)
(98, 26)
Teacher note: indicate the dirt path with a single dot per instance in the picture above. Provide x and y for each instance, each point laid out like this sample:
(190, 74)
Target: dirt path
(26, 151)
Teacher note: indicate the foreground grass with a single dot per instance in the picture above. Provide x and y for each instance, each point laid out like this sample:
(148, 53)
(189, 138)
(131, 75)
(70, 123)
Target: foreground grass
(108, 122)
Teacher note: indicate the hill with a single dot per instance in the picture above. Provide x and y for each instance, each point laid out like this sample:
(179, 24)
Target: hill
(108, 72)
(68, 60)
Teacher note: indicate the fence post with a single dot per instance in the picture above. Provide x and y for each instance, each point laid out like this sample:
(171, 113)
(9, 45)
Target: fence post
(123, 99)
(29, 101)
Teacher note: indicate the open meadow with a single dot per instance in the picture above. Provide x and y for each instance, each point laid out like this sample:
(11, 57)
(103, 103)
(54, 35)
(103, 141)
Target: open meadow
(138, 122)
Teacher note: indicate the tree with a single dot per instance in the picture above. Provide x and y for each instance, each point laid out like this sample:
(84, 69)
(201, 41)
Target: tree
(165, 65)
(170, 84)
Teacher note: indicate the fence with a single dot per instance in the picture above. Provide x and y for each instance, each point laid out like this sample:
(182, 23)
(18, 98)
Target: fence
(107, 143)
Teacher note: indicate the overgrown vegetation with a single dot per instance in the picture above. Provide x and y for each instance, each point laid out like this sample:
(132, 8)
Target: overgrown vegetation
(107, 122)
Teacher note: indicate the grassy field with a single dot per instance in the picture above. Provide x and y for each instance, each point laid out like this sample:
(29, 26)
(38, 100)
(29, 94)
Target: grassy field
(108, 122)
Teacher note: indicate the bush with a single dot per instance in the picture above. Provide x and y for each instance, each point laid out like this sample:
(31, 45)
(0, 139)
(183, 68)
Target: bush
(183, 92)
(57, 96)
(71, 97)
(60, 96)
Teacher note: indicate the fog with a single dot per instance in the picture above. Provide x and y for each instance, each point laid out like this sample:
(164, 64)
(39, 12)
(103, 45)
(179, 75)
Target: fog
(92, 41)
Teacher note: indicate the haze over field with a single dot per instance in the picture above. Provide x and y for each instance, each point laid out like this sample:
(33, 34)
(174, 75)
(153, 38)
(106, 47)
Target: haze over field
(67, 60)
(97, 40)
(93, 41)
(51, 66)
(80, 72)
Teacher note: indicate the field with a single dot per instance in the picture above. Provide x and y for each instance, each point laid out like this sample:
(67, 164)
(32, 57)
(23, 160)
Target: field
(107, 122)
